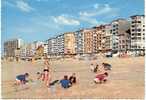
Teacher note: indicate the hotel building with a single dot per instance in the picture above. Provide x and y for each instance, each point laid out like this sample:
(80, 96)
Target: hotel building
(11, 46)
(137, 33)
(69, 43)
(120, 37)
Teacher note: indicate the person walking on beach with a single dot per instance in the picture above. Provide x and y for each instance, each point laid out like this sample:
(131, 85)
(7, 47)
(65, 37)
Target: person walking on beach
(46, 76)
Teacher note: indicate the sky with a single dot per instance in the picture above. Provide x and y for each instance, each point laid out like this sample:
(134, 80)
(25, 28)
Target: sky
(33, 20)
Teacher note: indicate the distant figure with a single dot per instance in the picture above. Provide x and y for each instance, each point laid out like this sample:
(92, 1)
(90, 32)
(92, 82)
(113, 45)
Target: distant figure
(46, 62)
(106, 66)
(92, 67)
(96, 68)
(22, 79)
(46, 77)
(100, 78)
(39, 75)
(65, 83)
(73, 79)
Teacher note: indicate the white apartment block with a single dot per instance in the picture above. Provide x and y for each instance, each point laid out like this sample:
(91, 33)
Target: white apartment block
(79, 42)
(137, 33)
(120, 36)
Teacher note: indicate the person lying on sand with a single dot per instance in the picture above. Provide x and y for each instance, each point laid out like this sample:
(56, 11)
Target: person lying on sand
(72, 78)
(65, 83)
(100, 78)
(22, 79)
(106, 66)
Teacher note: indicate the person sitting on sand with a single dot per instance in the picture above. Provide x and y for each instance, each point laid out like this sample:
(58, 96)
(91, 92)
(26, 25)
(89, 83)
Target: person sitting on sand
(72, 78)
(46, 77)
(106, 66)
(65, 83)
(22, 79)
(101, 78)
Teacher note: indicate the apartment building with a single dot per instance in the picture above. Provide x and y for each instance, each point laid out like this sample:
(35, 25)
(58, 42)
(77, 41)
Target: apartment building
(120, 37)
(69, 43)
(88, 40)
(52, 46)
(137, 29)
(60, 44)
(79, 42)
(98, 39)
(11, 46)
(108, 37)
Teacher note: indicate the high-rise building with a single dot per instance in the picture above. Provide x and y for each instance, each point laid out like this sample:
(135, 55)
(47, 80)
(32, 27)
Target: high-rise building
(137, 33)
(98, 39)
(69, 43)
(120, 36)
(52, 46)
(108, 37)
(60, 44)
(79, 42)
(11, 46)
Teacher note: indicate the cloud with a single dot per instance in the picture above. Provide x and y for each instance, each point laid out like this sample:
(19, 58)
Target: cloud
(91, 21)
(99, 9)
(21, 5)
(65, 20)
(24, 6)
(96, 6)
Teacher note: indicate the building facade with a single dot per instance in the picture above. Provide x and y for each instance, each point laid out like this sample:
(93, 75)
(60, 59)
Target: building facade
(137, 29)
(120, 37)
(69, 43)
(79, 42)
(11, 46)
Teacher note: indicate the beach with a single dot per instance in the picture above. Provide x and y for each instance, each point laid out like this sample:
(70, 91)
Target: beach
(126, 79)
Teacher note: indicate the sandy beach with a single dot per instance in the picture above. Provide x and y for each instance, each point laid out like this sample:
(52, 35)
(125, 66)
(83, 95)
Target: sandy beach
(126, 79)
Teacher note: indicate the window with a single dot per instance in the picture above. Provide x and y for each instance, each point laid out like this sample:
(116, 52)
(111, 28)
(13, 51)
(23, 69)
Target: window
(113, 29)
(139, 38)
(139, 34)
(132, 34)
(133, 26)
(143, 29)
(138, 21)
(133, 29)
(133, 22)
(143, 25)
(138, 30)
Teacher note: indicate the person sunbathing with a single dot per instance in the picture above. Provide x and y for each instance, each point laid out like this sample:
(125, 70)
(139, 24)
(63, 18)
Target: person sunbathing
(100, 78)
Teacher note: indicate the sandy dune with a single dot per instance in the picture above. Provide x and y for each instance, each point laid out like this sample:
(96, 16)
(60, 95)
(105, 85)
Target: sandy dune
(126, 80)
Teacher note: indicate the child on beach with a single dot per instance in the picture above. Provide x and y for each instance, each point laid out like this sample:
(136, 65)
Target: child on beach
(65, 83)
(22, 79)
(100, 78)
(72, 78)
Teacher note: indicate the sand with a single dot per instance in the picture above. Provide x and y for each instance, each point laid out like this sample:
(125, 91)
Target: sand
(126, 80)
